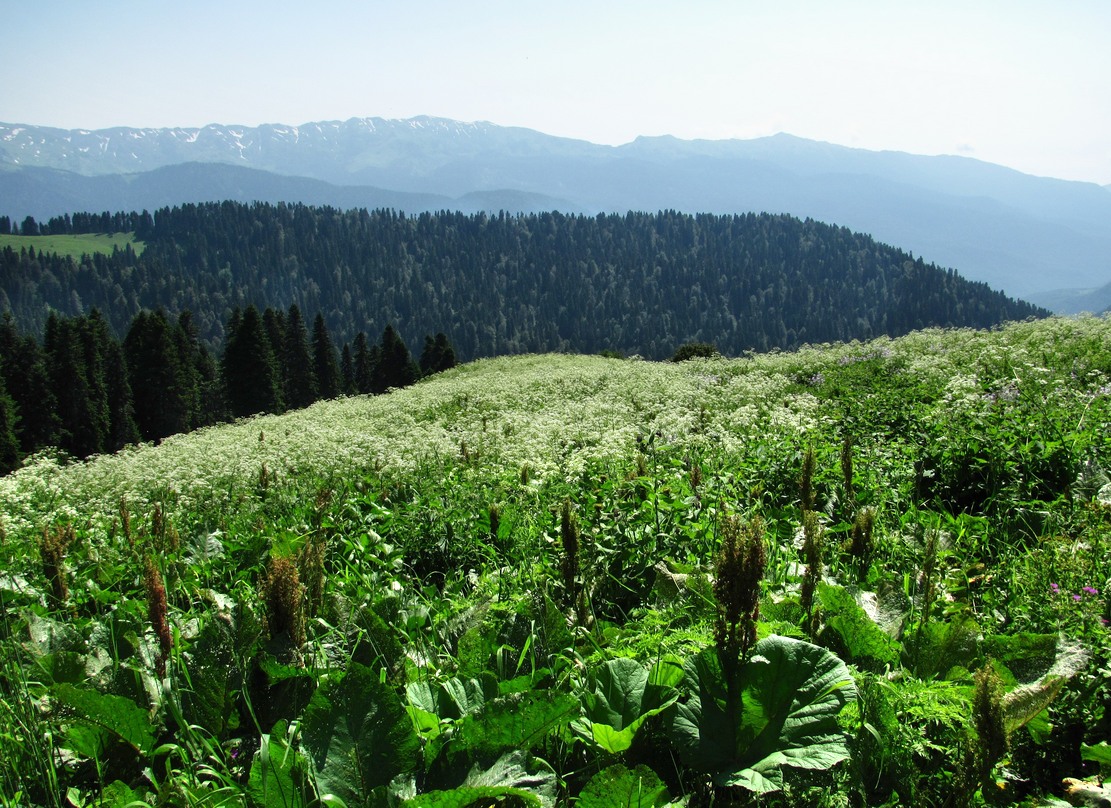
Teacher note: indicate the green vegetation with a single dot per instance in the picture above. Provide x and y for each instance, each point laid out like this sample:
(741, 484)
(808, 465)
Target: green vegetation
(74, 246)
(638, 284)
(858, 574)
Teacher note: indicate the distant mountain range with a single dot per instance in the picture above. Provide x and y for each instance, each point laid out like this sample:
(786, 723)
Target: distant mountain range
(1043, 239)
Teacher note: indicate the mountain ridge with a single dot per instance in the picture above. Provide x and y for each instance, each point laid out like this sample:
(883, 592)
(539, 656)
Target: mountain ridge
(1027, 235)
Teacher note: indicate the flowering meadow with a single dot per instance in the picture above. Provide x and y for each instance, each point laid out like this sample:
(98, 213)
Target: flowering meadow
(855, 574)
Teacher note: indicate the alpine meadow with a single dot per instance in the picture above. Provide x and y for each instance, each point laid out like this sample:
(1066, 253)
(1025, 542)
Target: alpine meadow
(868, 573)
(416, 463)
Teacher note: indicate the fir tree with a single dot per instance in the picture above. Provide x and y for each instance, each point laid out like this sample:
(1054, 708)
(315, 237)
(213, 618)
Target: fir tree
(161, 396)
(347, 369)
(188, 348)
(248, 368)
(396, 367)
(438, 355)
(324, 360)
(9, 443)
(28, 384)
(365, 360)
(299, 376)
(82, 429)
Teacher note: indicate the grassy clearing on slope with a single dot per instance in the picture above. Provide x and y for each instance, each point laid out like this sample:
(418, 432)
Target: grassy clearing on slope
(521, 555)
(74, 246)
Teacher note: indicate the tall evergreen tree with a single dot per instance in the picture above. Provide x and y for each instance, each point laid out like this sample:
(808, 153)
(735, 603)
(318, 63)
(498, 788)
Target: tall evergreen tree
(112, 376)
(438, 354)
(250, 373)
(347, 369)
(81, 408)
(211, 389)
(274, 322)
(324, 360)
(396, 367)
(188, 348)
(28, 383)
(9, 443)
(161, 396)
(299, 376)
(365, 360)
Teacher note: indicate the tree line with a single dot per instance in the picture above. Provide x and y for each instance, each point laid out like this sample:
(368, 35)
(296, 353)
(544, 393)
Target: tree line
(637, 283)
(82, 390)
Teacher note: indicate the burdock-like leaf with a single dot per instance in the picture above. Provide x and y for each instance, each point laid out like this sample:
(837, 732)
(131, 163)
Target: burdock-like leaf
(618, 787)
(515, 722)
(513, 780)
(214, 676)
(864, 642)
(119, 716)
(790, 693)
(620, 696)
(358, 735)
(278, 773)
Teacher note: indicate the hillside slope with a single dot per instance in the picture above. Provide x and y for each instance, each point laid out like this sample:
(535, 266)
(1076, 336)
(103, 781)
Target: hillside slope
(1024, 234)
(637, 284)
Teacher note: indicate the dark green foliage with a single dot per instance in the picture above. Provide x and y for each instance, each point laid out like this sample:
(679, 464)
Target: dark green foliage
(694, 350)
(325, 365)
(438, 355)
(395, 367)
(249, 370)
(365, 361)
(358, 736)
(9, 443)
(298, 374)
(160, 386)
(23, 365)
(636, 283)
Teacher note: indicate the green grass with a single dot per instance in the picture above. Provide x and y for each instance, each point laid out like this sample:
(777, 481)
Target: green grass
(502, 584)
(74, 246)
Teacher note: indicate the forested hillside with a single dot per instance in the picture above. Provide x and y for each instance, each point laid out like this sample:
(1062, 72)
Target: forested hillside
(637, 283)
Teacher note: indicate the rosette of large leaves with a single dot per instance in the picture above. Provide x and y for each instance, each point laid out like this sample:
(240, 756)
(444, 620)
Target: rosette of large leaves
(779, 711)
(620, 695)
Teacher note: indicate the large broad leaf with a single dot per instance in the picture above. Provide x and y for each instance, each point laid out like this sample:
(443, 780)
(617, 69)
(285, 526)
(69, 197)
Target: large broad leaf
(278, 773)
(514, 779)
(781, 710)
(620, 696)
(863, 641)
(358, 735)
(119, 716)
(432, 704)
(515, 722)
(618, 787)
(214, 677)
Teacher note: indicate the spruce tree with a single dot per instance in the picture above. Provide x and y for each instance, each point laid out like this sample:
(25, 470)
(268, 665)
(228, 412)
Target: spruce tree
(158, 386)
(438, 355)
(396, 367)
(83, 430)
(113, 376)
(28, 384)
(365, 359)
(250, 374)
(188, 348)
(9, 443)
(299, 376)
(324, 360)
(347, 369)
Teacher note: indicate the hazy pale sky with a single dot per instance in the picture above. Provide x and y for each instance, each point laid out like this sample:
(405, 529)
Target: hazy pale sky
(1022, 83)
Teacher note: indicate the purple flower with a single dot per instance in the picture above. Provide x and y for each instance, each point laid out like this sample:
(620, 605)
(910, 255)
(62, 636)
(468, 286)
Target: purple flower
(1091, 590)
(1076, 597)
(1054, 588)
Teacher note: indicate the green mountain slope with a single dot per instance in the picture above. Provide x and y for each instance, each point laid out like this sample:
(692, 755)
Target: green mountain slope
(638, 283)
(518, 582)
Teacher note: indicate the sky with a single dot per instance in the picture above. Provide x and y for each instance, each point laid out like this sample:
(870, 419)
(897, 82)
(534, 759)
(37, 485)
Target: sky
(1021, 83)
